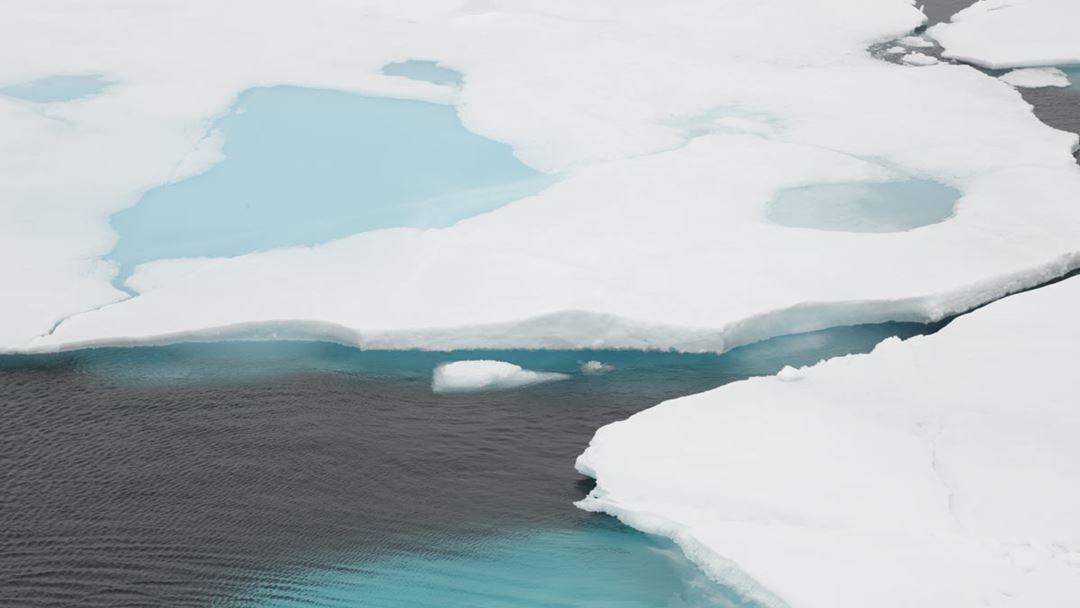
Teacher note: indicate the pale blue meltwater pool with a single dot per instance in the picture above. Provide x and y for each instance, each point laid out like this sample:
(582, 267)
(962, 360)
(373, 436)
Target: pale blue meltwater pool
(305, 166)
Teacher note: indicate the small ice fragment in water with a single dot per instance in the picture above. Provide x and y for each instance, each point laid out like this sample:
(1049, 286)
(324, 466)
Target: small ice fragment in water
(895, 50)
(919, 59)
(481, 375)
(595, 368)
(1034, 78)
(916, 42)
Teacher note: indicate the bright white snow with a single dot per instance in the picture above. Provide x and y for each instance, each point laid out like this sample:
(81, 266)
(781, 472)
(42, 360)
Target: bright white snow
(1013, 33)
(595, 368)
(656, 234)
(486, 375)
(917, 58)
(940, 471)
(1034, 78)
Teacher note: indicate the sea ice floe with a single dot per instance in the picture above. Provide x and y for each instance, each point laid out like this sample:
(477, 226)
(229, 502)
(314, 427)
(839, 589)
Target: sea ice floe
(655, 236)
(916, 42)
(486, 375)
(595, 368)
(1016, 33)
(942, 469)
(1034, 78)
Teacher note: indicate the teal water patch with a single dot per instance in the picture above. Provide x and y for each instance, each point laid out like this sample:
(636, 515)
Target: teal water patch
(601, 564)
(305, 166)
(1073, 72)
(864, 206)
(57, 88)
(427, 71)
(627, 372)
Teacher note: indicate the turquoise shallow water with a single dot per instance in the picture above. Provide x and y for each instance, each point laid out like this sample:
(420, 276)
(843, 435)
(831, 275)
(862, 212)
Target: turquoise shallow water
(428, 71)
(57, 88)
(305, 166)
(541, 568)
(864, 206)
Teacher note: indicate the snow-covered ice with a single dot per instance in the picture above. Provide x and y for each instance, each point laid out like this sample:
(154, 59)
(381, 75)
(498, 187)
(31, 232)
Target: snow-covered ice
(654, 236)
(918, 58)
(939, 471)
(486, 375)
(1013, 33)
(1034, 78)
(916, 42)
(595, 368)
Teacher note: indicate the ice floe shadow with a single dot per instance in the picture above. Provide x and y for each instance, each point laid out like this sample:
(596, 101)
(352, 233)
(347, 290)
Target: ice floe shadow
(873, 207)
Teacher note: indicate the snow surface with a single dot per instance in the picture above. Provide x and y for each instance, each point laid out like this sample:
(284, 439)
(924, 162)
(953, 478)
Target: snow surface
(1013, 33)
(655, 235)
(1034, 78)
(486, 375)
(916, 42)
(939, 471)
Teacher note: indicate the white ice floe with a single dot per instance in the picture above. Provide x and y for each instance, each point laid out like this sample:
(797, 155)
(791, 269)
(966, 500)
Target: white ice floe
(1013, 33)
(1034, 78)
(486, 375)
(655, 236)
(939, 471)
(916, 42)
(595, 368)
(895, 50)
(918, 58)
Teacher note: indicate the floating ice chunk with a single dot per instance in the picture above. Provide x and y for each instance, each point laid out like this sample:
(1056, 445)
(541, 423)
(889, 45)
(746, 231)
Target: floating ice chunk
(595, 368)
(484, 375)
(1034, 78)
(917, 58)
(916, 42)
(895, 50)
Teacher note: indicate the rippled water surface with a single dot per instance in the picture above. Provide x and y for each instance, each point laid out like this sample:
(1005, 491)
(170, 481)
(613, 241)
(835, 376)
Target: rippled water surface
(289, 474)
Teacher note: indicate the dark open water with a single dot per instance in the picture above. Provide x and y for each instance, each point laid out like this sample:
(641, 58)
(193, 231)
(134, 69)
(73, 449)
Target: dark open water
(309, 474)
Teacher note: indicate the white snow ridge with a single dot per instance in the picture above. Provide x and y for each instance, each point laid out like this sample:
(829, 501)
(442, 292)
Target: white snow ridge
(486, 375)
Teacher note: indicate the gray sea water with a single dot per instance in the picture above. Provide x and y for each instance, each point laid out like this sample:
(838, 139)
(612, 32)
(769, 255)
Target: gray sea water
(310, 474)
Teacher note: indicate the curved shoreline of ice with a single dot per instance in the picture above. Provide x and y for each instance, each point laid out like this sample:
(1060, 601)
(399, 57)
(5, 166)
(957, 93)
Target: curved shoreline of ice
(942, 469)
